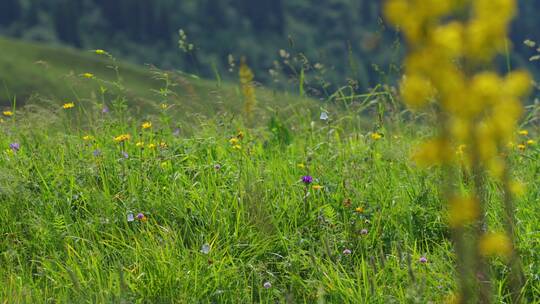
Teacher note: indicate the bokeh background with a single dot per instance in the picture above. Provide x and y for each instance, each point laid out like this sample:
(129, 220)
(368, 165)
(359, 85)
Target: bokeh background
(347, 36)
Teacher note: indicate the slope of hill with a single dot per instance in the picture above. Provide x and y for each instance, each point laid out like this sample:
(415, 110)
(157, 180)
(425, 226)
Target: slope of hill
(34, 72)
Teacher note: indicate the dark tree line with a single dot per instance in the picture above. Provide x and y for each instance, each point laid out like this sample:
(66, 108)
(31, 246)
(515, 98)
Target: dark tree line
(347, 36)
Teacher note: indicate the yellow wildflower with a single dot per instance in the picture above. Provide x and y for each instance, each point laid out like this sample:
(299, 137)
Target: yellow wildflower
(69, 105)
(163, 145)
(240, 135)
(317, 187)
(122, 138)
(359, 210)
(164, 106)
(152, 146)
(376, 136)
(100, 52)
(522, 147)
(531, 142)
(140, 144)
(7, 113)
(248, 88)
(88, 75)
(234, 141)
(495, 244)
(523, 132)
(88, 137)
(462, 211)
(237, 147)
(146, 125)
(301, 166)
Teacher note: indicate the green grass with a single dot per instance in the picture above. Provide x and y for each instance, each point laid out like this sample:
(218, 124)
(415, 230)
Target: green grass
(65, 200)
(36, 74)
(65, 236)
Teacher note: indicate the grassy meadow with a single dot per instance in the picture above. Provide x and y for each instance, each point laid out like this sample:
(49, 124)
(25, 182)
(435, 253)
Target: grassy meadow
(151, 186)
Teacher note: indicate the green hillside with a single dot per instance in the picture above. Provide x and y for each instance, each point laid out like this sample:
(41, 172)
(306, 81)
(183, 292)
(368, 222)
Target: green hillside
(36, 73)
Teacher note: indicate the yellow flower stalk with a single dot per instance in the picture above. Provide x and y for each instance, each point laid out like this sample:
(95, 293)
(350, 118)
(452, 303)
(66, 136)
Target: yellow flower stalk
(7, 113)
(248, 88)
(449, 43)
(496, 244)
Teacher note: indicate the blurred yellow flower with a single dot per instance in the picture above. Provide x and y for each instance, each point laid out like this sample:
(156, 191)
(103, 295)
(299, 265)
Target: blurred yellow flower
(163, 145)
(234, 141)
(301, 166)
(376, 136)
(449, 38)
(146, 125)
(7, 113)
(416, 91)
(164, 106)
(462, 211)
(237, 147)
(88, 137)
(523, 132)
(517, 83)
(433, 152)
(140, 144)
(453, 299)
(517, 188)
(317, 187)
(461, 149)
(152, 146)
(359, 210)
(531, 142)
(69, 105)
(495, 244)
(521, 147)
(100, 52)
(122, 138)
(88, 75)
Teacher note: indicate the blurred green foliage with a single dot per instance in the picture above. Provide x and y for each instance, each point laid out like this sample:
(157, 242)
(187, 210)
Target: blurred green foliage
(346, 37)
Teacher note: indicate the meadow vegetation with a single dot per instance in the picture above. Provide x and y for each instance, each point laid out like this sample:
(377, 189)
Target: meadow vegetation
(127, 185)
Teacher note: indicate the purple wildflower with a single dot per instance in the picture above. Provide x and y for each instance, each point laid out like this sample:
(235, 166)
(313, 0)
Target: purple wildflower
(140, 216)
(347, 252)
(307, 179)
(105, 110)
(125, 155)
(15, 147)
(176, 132)
(267, 285)
(97, 152)
(423, 260)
